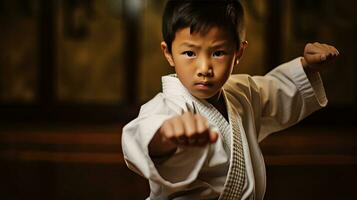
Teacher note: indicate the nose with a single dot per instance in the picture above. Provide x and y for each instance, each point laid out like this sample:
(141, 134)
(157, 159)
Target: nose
(204, 68)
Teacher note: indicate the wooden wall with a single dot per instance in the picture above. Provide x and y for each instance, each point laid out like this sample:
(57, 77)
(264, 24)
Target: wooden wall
(87, 163)
(311, 163)
(69, 163)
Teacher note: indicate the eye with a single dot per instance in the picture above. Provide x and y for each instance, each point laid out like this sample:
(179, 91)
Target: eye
(219, 53)
(189, 54)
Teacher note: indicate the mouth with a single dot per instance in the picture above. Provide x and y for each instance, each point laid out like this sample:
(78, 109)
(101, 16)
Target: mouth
(203, 85)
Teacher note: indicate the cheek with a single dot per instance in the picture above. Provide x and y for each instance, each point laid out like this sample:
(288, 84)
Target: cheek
(225, 68)
(224, 73)
(184, 72)
(184, 66)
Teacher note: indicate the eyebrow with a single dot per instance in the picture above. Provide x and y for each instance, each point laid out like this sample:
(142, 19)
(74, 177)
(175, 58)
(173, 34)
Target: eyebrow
(188, 44)
(219, 44)
(215, 45)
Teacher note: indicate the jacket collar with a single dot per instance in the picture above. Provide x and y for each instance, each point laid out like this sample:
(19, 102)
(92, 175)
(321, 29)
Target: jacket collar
(171, 85)
(173, 89)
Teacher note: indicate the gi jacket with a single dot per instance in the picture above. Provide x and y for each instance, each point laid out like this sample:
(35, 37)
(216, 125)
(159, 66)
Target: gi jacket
(257, 106)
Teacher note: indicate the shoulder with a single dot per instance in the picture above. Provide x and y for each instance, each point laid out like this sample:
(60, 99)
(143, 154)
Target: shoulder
(161, 104)
(241, 85)
(153, 103)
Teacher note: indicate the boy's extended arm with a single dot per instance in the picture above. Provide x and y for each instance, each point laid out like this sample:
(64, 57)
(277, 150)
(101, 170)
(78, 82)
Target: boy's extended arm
(288, 93)
(141, 139)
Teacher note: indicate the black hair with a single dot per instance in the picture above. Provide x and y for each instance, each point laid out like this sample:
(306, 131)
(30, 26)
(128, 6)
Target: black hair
(200, 16)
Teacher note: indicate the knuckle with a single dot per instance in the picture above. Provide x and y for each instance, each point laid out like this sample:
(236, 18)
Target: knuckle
(169, 136)
(200, 118)
(203, 130)
(166, 123)
(176, 118)
(190, 133)
(179, 133)
(165, 128)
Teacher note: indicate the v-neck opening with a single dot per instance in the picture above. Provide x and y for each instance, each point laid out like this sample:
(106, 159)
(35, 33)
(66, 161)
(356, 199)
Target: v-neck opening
(173, 86)
(222, 107)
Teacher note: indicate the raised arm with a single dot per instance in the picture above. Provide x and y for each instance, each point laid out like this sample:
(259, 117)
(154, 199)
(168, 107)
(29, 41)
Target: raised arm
(288, 93)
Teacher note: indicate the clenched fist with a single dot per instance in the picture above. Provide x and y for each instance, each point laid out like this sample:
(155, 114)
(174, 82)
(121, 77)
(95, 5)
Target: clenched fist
(316, 55)
(187, 129)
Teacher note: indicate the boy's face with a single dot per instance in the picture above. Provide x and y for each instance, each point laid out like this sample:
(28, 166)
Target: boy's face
(203, 62)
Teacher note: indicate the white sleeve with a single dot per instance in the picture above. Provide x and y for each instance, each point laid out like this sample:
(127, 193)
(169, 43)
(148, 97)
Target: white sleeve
(287, 95)
(281, 98)
(180, 169)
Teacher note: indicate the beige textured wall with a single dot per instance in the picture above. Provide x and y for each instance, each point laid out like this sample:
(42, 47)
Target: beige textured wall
(91, 68)
(18, 55)
(253, 58)
(152, 63)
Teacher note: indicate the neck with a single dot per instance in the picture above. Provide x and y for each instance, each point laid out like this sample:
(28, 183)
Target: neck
(216, 98)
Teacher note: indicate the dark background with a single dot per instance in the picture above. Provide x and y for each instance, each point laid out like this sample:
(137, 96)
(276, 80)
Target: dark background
(73, 72)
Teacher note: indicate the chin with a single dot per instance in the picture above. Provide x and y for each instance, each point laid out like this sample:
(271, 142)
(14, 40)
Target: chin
(202, 96)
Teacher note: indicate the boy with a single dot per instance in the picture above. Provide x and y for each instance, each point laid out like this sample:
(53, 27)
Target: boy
(198, 139)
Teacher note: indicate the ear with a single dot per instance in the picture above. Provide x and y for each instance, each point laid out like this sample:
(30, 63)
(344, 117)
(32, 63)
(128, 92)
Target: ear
(241, 50)
(167, 54)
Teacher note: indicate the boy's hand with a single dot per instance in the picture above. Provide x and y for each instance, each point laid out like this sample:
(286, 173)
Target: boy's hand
(316, 55)
(188, 129)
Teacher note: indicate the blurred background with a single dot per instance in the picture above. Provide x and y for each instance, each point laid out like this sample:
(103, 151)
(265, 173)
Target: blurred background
(73, 72)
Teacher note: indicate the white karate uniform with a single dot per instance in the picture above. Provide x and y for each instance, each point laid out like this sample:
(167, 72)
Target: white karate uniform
(260, 104)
